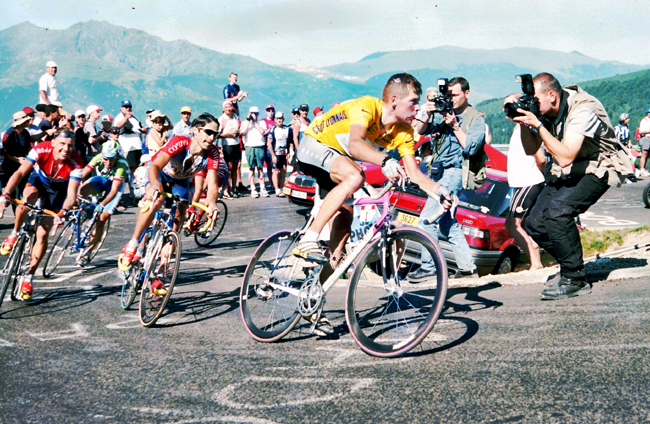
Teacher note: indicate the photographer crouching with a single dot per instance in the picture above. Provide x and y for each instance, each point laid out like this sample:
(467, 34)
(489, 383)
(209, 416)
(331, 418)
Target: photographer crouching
(586, 160)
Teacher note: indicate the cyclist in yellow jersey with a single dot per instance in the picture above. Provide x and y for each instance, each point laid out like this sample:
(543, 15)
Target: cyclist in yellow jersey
(354, 130)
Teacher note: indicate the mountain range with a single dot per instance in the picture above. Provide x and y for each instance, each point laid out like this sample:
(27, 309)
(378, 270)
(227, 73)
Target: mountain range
(101, 63)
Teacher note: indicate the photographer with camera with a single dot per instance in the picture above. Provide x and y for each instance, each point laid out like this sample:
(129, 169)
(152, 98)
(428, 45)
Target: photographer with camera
(255, 144)
(461, 130)
(587, 159)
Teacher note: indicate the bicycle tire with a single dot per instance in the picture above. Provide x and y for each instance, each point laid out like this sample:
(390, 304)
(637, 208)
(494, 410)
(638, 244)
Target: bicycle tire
(269, 315)
(132, 279)
(152, 306)
(646, 195)
(11, 269)
(207, 238)
(100, 243)
(59, 248)
(388, 317)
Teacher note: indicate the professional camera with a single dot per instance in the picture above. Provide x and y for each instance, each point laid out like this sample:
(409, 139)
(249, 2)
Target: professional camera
(443, 101)
(526, 102)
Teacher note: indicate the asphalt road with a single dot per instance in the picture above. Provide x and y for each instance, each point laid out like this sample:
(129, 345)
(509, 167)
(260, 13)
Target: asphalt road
(498, 354)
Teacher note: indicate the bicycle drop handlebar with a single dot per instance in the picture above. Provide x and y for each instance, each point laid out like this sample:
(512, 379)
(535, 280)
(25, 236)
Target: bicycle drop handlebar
(32, 207)
(204, 208)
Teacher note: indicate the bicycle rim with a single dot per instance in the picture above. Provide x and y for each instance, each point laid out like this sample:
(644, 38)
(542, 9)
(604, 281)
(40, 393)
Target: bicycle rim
(207, 238)
(164, 267)
(270, 313)
(389, 316)
(10, 273)
(58, 251)
(132, 279)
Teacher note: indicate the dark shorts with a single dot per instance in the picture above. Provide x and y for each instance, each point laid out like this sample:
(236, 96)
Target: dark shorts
(281, 162)
(522, 199)
(178, 187)
(52, 197)
(232, 153)
(133, 158)
(322, 177)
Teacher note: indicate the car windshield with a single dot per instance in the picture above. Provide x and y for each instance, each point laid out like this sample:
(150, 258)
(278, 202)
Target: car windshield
(492, 198)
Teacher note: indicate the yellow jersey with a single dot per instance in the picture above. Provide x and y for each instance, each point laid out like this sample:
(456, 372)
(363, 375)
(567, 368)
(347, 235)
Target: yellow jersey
(333, 127)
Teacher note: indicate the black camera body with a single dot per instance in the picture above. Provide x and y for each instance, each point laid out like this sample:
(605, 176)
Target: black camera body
(526, 102)
(443, 101)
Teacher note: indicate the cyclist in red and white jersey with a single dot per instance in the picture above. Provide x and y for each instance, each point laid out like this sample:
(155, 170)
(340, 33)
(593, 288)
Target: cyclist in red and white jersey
(55, 181)
(171, 169)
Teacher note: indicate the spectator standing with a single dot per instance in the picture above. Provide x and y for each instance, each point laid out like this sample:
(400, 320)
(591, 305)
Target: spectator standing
(95, 138)
(644, 132)
(130, 131)
(50, 122)
(15, 147)
(526, 181)
(233, 93)
(277, 142)
(184, 126)
(255, 144)
(48, 92)
(229, 141)
(82, 146)
(107, 123)
(318, 112)
(586, 160)
(268, 123)
(462, 134)
(298, 127)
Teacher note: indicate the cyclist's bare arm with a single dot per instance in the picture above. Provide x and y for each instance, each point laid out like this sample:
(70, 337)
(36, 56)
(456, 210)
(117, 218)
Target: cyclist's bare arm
(212, 180)
(115, 187)
(71, 197)
(360, 149)
(17, 177)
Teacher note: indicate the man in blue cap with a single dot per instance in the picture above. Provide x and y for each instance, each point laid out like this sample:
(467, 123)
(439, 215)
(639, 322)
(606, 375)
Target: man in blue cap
(644, 132)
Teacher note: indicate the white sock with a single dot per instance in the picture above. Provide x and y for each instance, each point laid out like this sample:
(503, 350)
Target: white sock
(133, 243)
(310, 236)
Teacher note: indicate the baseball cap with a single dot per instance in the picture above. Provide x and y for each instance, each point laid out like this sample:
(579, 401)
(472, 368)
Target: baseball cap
(304, 107)
(186, 109)
(226, 103)
(269, 107)
(253, 109)
(51, 64)
(79, 112)
(647, 110)
(126, 103)
(317, 110)
(28, 110)
(623, 117)
(57, 103)
(279, 115)
(294, 110)
(149, 111)
(107, 118)
(155, 114)
(90, 109)
(20, 117)
(41, 107)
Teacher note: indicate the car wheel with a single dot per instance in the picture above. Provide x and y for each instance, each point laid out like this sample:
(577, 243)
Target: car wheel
(646, 195)
(506, 264)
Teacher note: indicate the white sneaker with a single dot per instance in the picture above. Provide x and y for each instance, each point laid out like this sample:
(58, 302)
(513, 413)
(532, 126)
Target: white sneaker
(264, 193)
(645, 173)
(255, 194)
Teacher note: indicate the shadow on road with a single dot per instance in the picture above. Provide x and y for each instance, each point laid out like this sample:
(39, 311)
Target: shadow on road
(191, 307)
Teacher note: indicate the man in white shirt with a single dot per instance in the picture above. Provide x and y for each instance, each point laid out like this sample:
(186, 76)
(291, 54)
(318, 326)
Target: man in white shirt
(255, 143)
(183, 127)
(644, 132)
(47, 85)
(130, 130)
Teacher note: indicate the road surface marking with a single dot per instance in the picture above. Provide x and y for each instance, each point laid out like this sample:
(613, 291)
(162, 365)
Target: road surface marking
(76, 330)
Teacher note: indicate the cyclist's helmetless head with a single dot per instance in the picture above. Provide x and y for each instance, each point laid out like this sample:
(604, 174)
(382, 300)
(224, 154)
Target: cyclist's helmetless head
(402, 94)
(62, 145)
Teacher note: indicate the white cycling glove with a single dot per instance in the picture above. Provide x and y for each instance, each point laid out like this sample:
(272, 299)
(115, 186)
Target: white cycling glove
(390, 167)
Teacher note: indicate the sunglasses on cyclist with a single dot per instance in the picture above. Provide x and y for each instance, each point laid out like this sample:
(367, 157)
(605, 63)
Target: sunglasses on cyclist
(209, 132)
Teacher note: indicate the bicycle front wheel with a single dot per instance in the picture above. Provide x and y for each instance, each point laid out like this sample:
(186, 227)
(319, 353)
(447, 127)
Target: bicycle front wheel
(132, 279)
(164, 269)
(388, 316)
(268, 312)
(12, 268)
(58, 251)
(208, 237)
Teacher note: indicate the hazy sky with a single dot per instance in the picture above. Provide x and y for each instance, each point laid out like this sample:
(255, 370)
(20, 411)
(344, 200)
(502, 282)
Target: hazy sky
(322, 33)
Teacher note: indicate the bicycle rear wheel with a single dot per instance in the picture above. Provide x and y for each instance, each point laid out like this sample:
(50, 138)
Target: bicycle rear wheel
(12, 268)
(208, 237)
(164, 268)
(58, 250)
(388, 316)
(269, 313)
